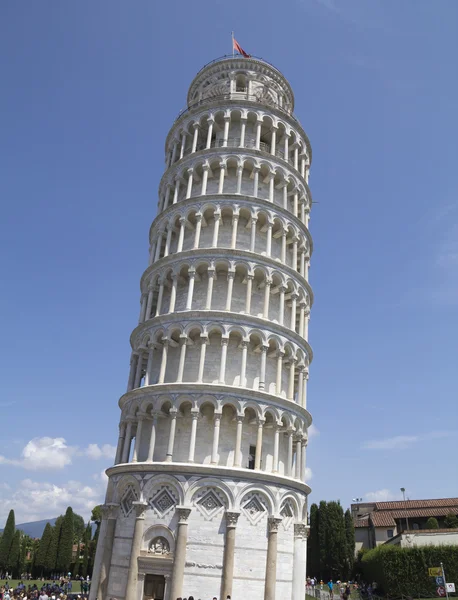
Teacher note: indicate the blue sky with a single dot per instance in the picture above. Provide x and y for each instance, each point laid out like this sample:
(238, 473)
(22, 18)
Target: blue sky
(89, 91)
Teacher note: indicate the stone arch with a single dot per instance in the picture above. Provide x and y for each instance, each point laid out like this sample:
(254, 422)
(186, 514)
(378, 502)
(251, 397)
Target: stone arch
(292, 498)
(155, 483)
(260, 490)
(158, 531)
(210, 482)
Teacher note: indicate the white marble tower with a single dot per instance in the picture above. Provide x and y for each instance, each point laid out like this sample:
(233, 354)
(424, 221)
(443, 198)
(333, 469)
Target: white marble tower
(208, 494)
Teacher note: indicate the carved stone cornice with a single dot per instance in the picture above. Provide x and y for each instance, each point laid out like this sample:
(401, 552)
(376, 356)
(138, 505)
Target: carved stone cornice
(218, 316)
(183, 513)
(273, 524)
(232, 518)
(196, 390)
(300, 530)
(109, 510)
(231, 254)
(140, 508)
(194, 469)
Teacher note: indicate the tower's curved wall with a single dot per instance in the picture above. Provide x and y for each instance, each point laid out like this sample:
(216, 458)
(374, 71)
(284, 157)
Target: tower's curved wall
(208, 494)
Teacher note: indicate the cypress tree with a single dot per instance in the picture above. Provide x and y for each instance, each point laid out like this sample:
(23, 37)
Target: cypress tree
(313, 546)
(7, 540)
(15, 551)
(51, 555)
(22, 558)
(78, 528)
(90, 549)
(85, 561)
(42, 552)
(336, 543)
(350, 537)
(65, 547)
(34, 568)
(322, 535)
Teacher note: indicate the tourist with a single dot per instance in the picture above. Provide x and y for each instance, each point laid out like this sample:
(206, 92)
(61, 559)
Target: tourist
(331, 586)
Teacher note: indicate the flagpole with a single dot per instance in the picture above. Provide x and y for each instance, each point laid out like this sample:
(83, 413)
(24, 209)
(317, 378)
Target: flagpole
(233, 51)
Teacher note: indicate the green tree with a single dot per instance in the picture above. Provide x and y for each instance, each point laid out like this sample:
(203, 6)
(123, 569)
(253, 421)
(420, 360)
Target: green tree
(313, 546)
(25, 547)
(96, 517)
(7, 540)
(78, 528)
(451, 521)
(432, 523)
(336, 543)
(43, 548)
(34, 569)
(15, 551)
(350, 538)
(65, 543)
(51, 555)
(85, 559)
(322, 534)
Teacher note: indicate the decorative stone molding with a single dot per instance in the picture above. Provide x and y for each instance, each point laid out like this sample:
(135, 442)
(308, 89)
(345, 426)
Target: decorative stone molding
(159, 546)
(300, 530)
(232, 518)
(110, 510)
(140, 508)
(203, 565)
(183, 513)
(273, 524)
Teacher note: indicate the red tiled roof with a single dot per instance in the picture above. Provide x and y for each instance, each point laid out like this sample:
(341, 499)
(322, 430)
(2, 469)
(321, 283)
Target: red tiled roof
(364, 522)
(382, 519)
(409, 504)
(420, 512)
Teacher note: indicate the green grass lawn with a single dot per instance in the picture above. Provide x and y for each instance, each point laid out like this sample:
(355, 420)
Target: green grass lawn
(76, 586)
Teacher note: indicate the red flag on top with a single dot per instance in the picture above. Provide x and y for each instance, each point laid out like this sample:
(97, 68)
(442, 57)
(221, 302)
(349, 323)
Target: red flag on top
(238, 48)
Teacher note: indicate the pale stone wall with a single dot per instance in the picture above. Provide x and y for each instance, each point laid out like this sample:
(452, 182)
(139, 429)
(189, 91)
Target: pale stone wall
(206, 531)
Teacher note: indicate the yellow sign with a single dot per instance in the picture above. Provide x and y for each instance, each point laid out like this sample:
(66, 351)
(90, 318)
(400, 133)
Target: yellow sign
(435, 571)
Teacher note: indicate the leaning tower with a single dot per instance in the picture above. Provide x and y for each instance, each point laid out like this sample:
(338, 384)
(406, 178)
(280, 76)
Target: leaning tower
(208, 494)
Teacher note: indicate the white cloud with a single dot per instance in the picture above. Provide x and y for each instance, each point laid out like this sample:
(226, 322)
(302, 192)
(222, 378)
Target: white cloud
(401, 442)
(380, 496)
(43, 453)
(33, 501)
(313, 431)
(95, 451)
(54, 453)
(308, 474)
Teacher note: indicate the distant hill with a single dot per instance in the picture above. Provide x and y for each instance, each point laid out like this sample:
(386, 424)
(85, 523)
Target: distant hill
(35, 528)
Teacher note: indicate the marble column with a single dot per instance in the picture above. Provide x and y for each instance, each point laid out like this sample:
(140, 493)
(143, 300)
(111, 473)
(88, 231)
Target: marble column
(127, 440)
(176, 590)
(152, 439)
(271, 563)
(229, 552)
(132, 575)
(216, 430)
(192, 443)
(299, 560)
(238, 441)
(109, 516)
(122, 435)
(258, 454)
(173, 412)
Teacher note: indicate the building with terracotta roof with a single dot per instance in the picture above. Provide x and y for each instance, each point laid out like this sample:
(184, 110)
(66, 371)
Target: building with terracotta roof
(402, 522)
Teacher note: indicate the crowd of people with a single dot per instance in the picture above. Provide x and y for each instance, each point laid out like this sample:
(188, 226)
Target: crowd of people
(57, 589)
(339, 589)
